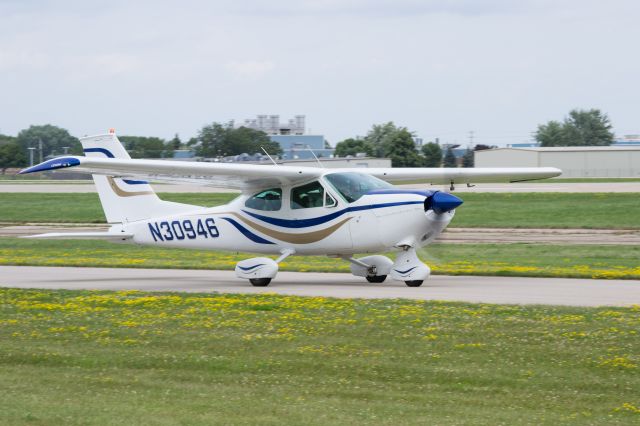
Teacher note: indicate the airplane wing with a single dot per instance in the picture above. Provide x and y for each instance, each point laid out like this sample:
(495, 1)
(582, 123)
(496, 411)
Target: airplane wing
(244, 176)
(446, 176)
(223, 175)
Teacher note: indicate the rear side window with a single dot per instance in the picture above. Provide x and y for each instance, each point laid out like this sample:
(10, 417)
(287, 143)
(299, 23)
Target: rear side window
(268, 200)
(307, 196)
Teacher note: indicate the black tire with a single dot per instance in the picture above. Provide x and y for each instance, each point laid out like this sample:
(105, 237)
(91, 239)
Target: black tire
(260, 282)
(414, 283)
(376, 278)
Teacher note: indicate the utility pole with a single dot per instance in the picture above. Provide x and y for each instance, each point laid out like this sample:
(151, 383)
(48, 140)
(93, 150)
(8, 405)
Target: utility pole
(40, 147)
(471, 133)
(31, 149)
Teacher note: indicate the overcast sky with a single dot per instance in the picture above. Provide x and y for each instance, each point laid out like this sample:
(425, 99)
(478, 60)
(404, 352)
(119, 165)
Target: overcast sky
(440, 68)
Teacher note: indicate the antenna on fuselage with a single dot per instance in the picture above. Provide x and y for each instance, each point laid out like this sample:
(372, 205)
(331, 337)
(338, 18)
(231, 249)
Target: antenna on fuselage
(314, 156)
(272, 160)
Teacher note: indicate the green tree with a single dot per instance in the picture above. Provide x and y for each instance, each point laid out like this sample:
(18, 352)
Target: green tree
(219, 140)
(467, 158)
(11, 155)
(401, 148)
(449, 158)
(5, 139)
(147, 147)
(551, 134)
(432, 154)
(353, 146)
(54, 141)
(579, 128)
(588, 128)
(380, 136)
(175, 143)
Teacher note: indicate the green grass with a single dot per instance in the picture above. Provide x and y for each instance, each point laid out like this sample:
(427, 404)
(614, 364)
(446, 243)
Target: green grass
(531, 210)
(93, 358)
(549, 210)
(536, 260)
(81, 207)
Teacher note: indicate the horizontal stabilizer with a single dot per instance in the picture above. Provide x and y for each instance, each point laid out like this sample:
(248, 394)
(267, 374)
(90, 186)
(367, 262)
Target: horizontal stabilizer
(109, 236)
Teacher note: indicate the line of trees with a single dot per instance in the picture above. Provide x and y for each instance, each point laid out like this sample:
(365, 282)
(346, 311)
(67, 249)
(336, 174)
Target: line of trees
(390, 141)
(212, 140)
(579, 128)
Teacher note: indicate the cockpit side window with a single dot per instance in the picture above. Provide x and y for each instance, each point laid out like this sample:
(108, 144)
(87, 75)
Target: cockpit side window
(353, 185)
(307, 196)
(267, 200)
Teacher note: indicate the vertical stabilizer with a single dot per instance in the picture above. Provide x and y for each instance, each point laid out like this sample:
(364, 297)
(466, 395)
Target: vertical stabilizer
(126, 200)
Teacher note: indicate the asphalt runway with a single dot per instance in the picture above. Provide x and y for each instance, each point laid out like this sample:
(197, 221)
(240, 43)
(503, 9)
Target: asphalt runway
(507, 290)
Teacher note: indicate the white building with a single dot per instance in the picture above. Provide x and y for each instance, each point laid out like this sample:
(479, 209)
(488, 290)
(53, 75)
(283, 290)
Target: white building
(574, 161)
(271, 125)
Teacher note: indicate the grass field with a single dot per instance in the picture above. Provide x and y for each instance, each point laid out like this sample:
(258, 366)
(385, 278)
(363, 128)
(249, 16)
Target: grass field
(158, 359)
(535, 260)
(531, 210)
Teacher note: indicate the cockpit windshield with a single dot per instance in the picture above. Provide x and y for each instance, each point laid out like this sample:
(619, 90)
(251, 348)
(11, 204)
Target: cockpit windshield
(353, 185)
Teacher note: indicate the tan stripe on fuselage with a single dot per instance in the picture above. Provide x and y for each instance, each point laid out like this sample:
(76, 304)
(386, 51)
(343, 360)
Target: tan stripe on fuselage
(303, 238)
(121, 193)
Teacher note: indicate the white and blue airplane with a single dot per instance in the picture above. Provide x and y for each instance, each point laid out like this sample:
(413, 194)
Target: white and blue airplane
(281, 210)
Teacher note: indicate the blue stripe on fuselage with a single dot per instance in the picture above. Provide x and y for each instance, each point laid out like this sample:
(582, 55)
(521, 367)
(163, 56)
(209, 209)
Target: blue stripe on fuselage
(250, 235)
(304, 223)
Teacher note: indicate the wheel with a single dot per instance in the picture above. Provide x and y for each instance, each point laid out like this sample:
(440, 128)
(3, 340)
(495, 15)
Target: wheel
(376, 278)
(414, 283)
(260, 282)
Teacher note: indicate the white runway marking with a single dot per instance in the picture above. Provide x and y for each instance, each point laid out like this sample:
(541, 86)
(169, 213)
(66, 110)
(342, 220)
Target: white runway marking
(545, 291)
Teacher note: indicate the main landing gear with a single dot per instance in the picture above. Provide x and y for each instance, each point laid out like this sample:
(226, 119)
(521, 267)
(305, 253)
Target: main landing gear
(261, 270)
(407, 268)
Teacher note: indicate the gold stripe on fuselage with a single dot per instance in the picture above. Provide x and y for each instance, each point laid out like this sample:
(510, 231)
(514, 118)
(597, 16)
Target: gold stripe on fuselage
(302, 238)
(121, 193)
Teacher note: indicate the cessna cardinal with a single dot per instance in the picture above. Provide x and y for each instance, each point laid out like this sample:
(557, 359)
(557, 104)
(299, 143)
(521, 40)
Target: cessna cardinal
(281, 211)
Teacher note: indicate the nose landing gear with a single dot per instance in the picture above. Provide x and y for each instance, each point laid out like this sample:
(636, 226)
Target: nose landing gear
(409, 268)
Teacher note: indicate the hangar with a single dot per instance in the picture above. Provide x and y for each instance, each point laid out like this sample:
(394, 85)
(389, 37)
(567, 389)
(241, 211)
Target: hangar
(574, 161)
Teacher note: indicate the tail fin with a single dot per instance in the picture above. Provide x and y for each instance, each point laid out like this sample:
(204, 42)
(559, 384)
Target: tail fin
(125, 200)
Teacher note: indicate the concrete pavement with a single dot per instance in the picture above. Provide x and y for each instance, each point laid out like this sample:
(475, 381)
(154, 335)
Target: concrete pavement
(509, 290)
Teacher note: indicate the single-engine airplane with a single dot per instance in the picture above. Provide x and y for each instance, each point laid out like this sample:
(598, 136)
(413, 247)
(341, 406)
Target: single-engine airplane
(281, 210)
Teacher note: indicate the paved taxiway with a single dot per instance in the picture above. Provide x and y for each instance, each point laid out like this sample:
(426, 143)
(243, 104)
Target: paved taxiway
(546, 291)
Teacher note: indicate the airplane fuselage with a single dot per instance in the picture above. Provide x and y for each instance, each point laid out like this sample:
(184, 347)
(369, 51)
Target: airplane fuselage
(375, 222)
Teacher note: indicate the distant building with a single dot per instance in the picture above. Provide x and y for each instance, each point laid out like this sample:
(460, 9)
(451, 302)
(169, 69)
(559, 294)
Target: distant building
(184, 154)
(271, 125)
(300, 146)
(291, 136)
(627, 140)
(523, 145)
(574, 161)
